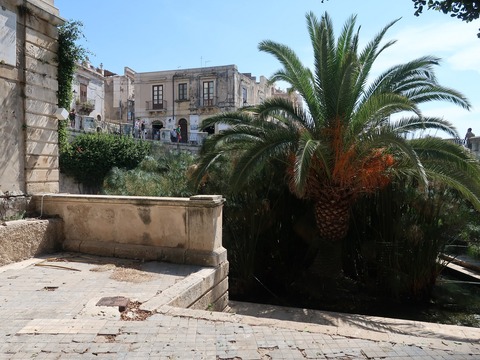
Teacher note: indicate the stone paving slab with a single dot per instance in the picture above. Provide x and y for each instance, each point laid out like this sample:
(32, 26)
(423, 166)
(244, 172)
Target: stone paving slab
(49, 311)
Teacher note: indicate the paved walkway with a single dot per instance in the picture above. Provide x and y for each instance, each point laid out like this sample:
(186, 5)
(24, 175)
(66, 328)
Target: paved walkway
(67, 307)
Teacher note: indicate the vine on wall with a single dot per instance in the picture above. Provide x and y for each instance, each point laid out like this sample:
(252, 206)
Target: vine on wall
(69, 54)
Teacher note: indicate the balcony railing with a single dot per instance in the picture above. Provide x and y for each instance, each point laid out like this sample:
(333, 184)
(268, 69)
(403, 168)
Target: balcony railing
(85, 107)
(156, 106)
(207, 102)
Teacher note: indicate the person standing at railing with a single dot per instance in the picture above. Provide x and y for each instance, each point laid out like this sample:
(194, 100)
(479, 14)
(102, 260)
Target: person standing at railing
(468, 136)
(143, 131)
(173, 135)
(71, 117)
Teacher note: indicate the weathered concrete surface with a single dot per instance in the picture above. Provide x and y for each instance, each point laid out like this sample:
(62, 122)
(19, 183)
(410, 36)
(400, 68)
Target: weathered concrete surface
(49, 311)
(23, 239)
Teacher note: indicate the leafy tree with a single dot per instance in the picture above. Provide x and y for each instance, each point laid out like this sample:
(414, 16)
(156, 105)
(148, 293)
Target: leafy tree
(465, 10)
(90, 157)
(345, 144)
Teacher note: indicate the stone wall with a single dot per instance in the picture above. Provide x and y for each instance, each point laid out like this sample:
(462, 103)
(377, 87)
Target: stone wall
(23, 239)
(179, 230)
(28, 99)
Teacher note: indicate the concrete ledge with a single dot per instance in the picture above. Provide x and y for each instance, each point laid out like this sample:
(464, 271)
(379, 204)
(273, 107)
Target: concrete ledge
(394, 331)
(24, 239)
(148, 253)
(197, 285)
(213, 299)
(206, 289)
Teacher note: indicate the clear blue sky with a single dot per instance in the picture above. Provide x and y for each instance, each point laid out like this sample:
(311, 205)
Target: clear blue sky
(154, 35)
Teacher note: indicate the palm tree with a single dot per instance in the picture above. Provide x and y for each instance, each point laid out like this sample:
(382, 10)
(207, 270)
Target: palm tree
(345, 143)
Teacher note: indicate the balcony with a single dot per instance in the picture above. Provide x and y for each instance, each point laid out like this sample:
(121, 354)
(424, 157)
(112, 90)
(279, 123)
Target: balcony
(84, 107)
(160, 106)
(207, 102)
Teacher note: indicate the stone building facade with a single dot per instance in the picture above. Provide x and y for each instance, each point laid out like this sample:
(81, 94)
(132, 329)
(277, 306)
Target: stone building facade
(120, 97)
(167, 99)
(28, 101)
(88, 97)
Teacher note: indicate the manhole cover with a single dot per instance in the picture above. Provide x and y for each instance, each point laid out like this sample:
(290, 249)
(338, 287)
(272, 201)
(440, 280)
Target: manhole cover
(119, 301)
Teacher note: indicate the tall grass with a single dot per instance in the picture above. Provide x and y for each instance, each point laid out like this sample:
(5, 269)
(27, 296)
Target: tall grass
(399, 235)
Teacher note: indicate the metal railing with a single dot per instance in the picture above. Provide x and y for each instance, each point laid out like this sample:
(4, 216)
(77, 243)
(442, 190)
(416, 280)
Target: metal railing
(156, 106)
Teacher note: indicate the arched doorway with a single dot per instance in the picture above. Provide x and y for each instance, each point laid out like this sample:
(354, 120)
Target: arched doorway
(156, 126)
(183, 130)
(209, 129)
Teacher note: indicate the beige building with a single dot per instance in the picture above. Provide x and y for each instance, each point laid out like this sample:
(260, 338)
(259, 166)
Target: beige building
(166, 99)
(28, 101)
(120, 97)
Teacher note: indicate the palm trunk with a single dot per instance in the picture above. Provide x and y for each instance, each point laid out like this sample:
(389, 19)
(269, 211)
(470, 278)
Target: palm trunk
(333, 217)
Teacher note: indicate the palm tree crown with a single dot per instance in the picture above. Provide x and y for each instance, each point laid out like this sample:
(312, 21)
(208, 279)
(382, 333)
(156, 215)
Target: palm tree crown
(345, 143)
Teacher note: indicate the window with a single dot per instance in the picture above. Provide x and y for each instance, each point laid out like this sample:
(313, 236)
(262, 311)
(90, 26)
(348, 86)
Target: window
(83, 93)
(207, 93)
(244, 95)
(182, 91)
(157, 97)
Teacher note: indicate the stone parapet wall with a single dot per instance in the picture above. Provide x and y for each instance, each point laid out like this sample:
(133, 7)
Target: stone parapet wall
(178, 230)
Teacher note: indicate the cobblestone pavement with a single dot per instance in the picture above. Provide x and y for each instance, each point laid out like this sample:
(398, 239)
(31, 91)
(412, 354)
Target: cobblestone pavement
(49, 309)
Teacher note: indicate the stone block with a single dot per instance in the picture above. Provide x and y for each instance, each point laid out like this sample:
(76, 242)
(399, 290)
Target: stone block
(221, 303)
(72, 245)
(22, 239)
(39, 161)
(203, 227)
(137, 252)
(41, 40)
(9, 73)
(41, 93)
(98, 248)
(48, 187)
(42, 80)
(173, 255)
(41, 121)
(44, 69)
(42, 135)
(40, 53)
(45, 22)
(40, 107)
(207, 300)
(206, 258)
(199, 284)
(41, 175)
(38, 148)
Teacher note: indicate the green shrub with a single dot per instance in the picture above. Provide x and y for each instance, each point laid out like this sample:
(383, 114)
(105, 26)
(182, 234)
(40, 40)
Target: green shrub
(90, 157)
(474, 251)
(166, 177)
